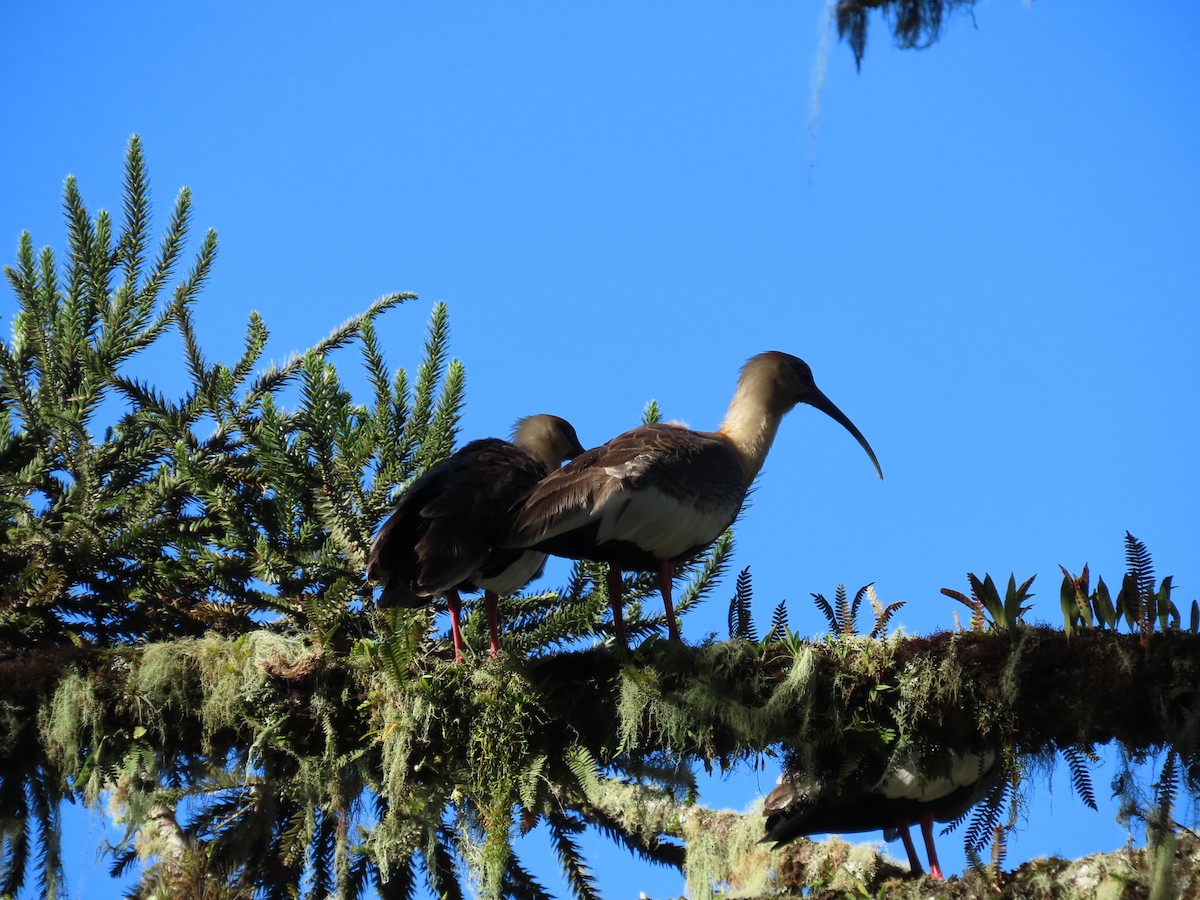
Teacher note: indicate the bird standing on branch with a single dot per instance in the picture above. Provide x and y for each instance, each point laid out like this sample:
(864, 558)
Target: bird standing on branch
(797, 807)
(658, 495)
(446, 533)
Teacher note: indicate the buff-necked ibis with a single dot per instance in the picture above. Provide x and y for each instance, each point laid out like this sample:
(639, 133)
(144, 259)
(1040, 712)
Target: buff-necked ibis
(658, 495)
(798, 807)
(446, 533)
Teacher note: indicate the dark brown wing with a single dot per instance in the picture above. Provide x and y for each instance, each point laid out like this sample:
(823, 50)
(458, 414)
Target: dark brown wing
(905, 796)
(450, 520)
(657, 492)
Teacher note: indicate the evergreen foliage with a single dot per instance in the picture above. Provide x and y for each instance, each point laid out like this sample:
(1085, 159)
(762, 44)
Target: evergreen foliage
(186, 635)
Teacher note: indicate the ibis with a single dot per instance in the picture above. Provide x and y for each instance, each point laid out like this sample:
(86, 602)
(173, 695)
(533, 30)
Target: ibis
(446, 533)
(658, 495)
(906, 795)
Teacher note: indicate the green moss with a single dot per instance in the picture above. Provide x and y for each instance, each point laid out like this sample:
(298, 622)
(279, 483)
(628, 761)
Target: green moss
(73, 723)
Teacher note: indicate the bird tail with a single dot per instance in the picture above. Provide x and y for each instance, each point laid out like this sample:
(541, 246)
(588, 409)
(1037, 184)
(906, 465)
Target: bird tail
(784, 828)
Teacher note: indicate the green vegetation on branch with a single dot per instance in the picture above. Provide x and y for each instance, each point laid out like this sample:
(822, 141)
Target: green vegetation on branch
(188, 641)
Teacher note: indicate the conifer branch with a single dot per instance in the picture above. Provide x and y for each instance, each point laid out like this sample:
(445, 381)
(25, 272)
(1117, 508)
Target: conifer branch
(187, 627)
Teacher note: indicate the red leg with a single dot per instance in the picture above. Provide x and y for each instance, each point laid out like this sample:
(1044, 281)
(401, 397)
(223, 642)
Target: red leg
(491, 602)
(914, 861)
(455, 604)
(615, 590)
(665, 571)
(935, 870)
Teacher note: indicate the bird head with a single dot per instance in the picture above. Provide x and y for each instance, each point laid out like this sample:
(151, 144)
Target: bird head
(547, 438)
(786, 381)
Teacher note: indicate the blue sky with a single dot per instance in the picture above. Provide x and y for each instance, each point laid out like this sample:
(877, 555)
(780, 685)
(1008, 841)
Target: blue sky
(987, 251)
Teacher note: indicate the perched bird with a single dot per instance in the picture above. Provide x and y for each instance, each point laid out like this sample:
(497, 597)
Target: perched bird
(907, 795)
(446, 532)
(657, 495)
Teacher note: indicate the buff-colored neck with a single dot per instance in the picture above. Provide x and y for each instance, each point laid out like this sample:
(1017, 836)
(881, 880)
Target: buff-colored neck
(751, 422)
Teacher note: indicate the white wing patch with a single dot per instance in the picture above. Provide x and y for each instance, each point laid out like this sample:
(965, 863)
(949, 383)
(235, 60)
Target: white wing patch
(908, 783)
(631, 468)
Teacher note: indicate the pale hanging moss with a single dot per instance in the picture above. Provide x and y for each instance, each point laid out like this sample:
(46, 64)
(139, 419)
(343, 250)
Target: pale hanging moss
(927, 682)
(640, 709)
(160, 685)
(690, 707)
(70, 726)
(794, 695)
(228, 674)
(504, 712)
(403, 716)
(1010, 681)
(714, 840)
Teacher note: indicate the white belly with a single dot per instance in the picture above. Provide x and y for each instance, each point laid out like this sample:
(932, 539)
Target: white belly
(661, 524)
(527, 567)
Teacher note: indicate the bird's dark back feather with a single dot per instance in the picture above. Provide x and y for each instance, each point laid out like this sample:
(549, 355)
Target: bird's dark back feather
(690, 467)
(447, 526)
(864, 809)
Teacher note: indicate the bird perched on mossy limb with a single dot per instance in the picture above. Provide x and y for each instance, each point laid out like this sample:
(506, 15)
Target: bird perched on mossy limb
(658, 495)
(446, 533)
(911, 792)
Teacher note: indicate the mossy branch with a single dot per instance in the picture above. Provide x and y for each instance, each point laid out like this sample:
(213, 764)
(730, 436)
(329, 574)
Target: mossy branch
(1035, 690)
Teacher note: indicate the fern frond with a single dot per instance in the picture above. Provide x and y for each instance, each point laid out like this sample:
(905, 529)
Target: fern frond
(858, 599)
(973, 603)
(585, 770)
(827, 611)
(999, 849)
(741, 624)
(845, 617)
(1081, 777)
(1139, 564)
(1166, 791)
(987, 816)
(779, 622)
(884, 617)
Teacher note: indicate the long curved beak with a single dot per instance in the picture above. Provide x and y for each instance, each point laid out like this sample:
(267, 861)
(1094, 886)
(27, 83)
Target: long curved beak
(827, 406)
